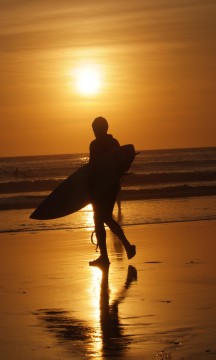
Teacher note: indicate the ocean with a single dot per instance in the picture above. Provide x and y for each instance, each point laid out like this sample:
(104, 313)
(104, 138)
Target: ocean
(161, 186)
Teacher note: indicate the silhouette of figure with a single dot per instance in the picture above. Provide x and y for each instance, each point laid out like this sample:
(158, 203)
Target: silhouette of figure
(114, 341)
(70, 330)
(103, 204)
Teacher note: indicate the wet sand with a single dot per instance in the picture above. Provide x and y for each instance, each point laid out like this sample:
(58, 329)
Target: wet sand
(159, 305)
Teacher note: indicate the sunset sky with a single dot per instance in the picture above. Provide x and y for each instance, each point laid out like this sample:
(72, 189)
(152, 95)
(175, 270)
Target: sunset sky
(151, 65)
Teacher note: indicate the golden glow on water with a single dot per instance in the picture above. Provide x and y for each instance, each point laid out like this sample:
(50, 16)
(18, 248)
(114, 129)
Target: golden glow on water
(109, 337)
(95, 289)
(88, 217)
(91, 316)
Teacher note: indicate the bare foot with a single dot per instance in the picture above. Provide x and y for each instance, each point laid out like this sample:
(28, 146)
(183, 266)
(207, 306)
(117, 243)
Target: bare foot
(100, 262)
(131, 251)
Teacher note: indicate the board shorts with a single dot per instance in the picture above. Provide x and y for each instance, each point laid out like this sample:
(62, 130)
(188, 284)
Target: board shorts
(103, 204)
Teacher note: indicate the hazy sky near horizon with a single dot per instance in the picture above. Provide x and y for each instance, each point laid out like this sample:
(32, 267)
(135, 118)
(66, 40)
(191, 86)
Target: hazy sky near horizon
(157, 66)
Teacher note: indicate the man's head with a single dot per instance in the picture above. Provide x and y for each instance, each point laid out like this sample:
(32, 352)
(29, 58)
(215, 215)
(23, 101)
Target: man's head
(100, 126)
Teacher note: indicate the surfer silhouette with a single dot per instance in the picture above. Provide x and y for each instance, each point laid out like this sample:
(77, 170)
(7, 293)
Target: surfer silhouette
(103, 203)
(111, 342)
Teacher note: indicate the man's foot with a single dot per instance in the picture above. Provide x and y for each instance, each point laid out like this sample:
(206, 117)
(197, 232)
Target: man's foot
(131, 251)
(100, 262)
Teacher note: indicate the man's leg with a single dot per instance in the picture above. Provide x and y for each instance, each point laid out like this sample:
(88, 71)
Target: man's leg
(101, 240)
(114, 225)
(117, 230)
(101, 236)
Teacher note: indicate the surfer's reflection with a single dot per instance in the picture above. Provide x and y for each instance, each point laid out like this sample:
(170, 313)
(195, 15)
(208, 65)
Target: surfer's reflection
(114, 342)
(71, 331)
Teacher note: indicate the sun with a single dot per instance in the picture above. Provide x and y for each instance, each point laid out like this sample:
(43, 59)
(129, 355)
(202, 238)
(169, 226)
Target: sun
(88, 79)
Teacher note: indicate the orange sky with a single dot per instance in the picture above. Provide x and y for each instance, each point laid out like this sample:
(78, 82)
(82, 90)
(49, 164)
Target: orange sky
(158, 73)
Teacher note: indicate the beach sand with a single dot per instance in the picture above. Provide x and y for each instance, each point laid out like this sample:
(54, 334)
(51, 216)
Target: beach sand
(159, 305)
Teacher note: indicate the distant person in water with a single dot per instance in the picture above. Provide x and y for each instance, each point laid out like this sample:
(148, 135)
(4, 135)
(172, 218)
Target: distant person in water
(103, 204)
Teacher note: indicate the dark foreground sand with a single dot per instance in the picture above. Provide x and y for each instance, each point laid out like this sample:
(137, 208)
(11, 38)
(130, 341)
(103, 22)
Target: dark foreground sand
(163, 306)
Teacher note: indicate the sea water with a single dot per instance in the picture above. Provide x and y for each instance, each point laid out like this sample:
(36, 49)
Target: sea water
(162, 186)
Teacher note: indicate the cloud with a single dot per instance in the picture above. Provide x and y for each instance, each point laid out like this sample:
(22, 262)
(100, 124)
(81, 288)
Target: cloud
(33, 25)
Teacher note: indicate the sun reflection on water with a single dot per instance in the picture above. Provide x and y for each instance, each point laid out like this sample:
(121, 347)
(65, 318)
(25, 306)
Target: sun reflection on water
(87, 217)
(99, 330)
(109, 337)
(95, 290)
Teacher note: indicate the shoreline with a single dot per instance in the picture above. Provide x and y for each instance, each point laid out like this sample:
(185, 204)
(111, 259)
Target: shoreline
(131, 213)
(26, 201)
(53, 305)
(89, 228)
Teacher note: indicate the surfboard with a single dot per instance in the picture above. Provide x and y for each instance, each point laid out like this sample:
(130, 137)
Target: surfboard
(73, 193)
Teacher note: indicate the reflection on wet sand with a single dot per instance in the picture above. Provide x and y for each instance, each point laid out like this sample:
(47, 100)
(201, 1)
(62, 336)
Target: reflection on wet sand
(114, 342)
(81, 336)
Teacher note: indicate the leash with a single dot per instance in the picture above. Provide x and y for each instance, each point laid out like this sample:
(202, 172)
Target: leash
(92, 240)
